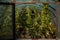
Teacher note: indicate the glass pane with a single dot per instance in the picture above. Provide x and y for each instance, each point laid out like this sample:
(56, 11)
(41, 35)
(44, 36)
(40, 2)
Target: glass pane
(6, 0)
(23, 0)
(35, 21)
(6, 27)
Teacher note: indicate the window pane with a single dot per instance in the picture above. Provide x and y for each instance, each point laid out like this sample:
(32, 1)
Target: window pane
(35, 21)
(6, 27)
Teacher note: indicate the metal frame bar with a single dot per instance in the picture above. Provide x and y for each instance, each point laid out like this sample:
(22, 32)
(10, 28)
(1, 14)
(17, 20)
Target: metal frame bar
(32, 2)
(56, 21)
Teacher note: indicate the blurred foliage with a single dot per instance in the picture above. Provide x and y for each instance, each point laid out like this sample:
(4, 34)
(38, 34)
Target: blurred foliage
(5, 21)
(32, 23)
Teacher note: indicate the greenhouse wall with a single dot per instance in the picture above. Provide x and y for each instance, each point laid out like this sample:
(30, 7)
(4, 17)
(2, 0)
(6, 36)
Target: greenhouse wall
(35, 6)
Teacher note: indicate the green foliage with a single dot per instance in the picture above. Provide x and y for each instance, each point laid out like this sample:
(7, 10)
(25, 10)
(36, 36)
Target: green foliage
(5, 21)
(35, 24)
(46, 21)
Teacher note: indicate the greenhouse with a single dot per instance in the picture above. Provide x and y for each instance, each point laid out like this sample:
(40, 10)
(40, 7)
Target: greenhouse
(29, 19)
